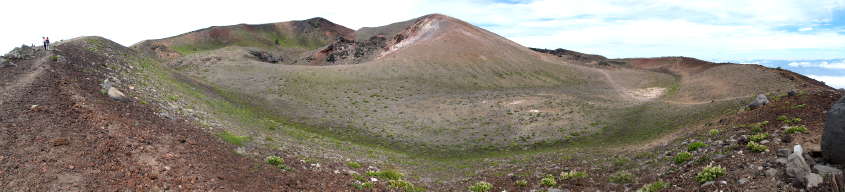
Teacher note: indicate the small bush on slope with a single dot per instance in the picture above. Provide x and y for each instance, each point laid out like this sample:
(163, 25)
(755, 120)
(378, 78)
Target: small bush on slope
(481, 186)
(710, 173)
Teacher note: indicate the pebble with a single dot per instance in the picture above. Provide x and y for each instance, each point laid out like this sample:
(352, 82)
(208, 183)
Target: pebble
(743, 181)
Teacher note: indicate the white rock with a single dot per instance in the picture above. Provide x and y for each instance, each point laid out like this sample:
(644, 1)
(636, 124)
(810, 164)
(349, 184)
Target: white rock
(117, 95)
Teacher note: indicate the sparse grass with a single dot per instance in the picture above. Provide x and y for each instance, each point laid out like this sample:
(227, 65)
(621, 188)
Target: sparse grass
(799, 106)
(787, 120)
(363, 185)
(796, 129)
(682, 157)
(758, 137)
(714, 132)
(654, 187)
(522, 183)
(621, 177)
(353, 164)
(403, 185)
(386, 174)
(573, 175)
(696, 145)
(755, 147)
(233, 139)
(548, 181)
(481, 186)
(710, 173)
(54, 58)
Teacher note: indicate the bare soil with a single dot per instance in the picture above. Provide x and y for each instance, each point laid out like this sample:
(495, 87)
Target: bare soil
(59, 133)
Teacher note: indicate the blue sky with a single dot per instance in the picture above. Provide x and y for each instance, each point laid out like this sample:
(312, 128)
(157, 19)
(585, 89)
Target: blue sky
(778, 31)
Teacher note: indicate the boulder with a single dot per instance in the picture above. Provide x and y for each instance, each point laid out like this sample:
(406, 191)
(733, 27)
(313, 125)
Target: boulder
(791, 93)
(117, 95)
(833, 137)
(759, 101)
(827, 170)
(813, 180)
(796, 166)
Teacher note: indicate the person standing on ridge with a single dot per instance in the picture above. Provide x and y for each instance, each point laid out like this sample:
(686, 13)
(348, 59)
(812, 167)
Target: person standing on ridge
(46, 42)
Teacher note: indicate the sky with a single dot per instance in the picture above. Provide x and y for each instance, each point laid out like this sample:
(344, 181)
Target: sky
(775, 33)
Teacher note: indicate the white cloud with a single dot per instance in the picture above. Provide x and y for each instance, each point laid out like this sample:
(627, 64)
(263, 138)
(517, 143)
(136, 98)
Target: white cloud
(821, 64)
(833, 81)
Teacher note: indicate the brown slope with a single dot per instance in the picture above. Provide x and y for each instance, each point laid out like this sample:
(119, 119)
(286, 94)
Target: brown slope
(59, 133)
(297, 35)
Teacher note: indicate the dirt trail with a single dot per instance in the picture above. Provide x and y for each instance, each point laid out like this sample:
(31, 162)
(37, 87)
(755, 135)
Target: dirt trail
(27, 76)
(705, 102)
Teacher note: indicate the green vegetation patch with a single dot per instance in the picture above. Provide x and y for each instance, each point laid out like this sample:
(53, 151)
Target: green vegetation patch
(758, 137)
(621, 177)
(403, 185)
(796, 129)
(573, 175)
(755, 147)
(277, 162)
(710, 173)
(654, 187)
(353, 164)
(696, 145)
(386, 174)
(682, 157)
(233, 139)
(548, 181)
(481, 186)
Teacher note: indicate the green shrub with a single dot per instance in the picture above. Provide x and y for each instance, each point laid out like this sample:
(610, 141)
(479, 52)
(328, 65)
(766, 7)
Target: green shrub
(481, 186)
(682, 157)
(522, 183)
(796, 129)
(710, 173)
(755, 147)
(758, 137)
(622, 177)
(573, 175)
(548, 181)
(403, 185)
(277, 162)
(54, 58)
(799, 106)
(695, 146)
(353, 164)
(360, 178)
(714, 132)
(386, 174)
(654, 187)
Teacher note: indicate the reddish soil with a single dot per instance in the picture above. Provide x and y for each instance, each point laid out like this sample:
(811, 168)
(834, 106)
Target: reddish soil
(77, 139)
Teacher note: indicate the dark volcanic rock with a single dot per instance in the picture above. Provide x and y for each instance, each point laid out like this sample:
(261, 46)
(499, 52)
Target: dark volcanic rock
(759, 101)
(833, 138)
(265, 56)
(574, 55)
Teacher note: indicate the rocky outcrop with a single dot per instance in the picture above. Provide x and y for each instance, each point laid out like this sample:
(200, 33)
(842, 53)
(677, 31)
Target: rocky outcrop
(759, 101)
(264, 56)
(23, 52)
(574, 55)
(796, 166)
(345, 51)
(833, 137)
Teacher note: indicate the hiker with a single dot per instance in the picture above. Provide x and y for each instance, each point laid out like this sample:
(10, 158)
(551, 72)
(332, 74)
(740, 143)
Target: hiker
(46, 42)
